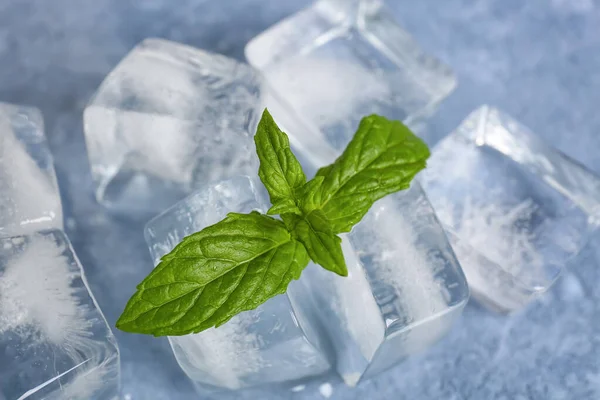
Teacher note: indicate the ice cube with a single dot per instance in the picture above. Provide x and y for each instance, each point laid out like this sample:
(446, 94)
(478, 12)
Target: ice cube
(404, 290)
(54, 340)
(515, 208)
(327, 67)
(338, 61)
(167, 119)
(276, 343)
(29, 198)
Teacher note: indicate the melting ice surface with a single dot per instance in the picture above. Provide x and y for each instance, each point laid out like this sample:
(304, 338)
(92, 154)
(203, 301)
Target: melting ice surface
(54, 341)
(168, 119)
(515, 209)
(276, 343)
(29, 198)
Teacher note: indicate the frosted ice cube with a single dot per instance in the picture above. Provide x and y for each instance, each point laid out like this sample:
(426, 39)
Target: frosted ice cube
(275, 343)
(338, 61)
(29, 198)
(516, 209)
(167, 119)
(54, 340)
(404, 290)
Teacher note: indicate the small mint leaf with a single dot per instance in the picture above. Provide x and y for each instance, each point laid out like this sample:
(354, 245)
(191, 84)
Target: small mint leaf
(279, 169)
(325, 248)
(235, 265)
(306, 194)
(287, 206)
(382, 158)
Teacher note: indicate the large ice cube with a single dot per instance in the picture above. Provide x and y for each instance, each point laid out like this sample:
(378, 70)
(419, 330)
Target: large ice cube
(277, 342)
(167, 119)
(29, 198)
(339, 60)
(404, 289)
(516, 209)
(54, 340)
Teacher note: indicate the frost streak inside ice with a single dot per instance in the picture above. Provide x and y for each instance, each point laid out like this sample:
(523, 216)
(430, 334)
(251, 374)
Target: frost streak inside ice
(36, 281)
(26, 193)
(233, 350)
(498, 226)
(88, 380)
(506, 227)
(406, 286)
(352, 294)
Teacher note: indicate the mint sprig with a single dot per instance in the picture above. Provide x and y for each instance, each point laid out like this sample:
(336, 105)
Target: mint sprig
(315, 232)
(242, 261)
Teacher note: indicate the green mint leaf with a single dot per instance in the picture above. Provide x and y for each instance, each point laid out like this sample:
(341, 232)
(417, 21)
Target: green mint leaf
(235, 265)
(287, 206)
(382, 158)
(271, 276)
(314, 231)
(279, 169)
(306, 193)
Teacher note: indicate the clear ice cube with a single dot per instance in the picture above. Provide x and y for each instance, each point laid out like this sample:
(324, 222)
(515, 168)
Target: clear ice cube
(170, 118)
(278, 342)
(54, 340)
(404, 290)
(29, 197)
(327, 67)
(338, 61)
(516, 210)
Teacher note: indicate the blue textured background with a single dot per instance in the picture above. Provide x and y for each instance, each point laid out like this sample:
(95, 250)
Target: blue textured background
(537, 59)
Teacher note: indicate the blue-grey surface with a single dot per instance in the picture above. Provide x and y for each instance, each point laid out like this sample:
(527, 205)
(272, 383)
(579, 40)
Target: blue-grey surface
(538, 59)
